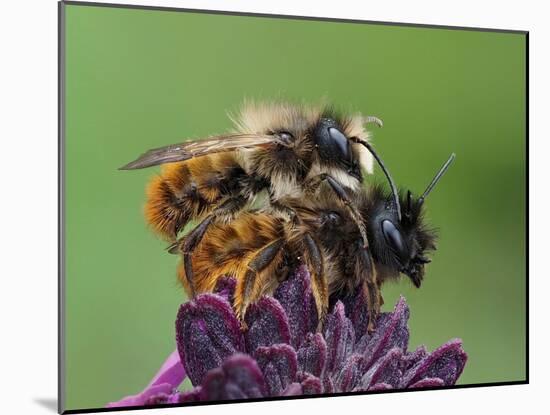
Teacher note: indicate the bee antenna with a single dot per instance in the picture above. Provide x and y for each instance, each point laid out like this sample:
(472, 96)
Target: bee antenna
(371, 119)
(436, 179)
(388, 176)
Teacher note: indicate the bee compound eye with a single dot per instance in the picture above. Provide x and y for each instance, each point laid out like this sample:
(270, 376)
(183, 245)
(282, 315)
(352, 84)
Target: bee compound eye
(340, 140)
(331, 142)
(395, 240)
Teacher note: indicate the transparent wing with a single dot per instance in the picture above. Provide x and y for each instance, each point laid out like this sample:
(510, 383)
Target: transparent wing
(197, 148)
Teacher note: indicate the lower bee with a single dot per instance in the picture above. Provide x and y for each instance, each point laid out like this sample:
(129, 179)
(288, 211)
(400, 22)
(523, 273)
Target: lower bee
(259, 249)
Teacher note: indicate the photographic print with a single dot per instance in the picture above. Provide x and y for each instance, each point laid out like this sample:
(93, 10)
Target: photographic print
(261, 207)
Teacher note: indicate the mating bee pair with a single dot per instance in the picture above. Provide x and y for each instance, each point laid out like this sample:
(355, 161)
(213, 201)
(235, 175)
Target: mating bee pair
(287, 188)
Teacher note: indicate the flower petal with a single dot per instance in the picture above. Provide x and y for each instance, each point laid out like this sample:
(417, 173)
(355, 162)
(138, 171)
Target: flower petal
(380, 387)
(169, 377)
(312, 354)
(207, 332)
(239, 377)
(412, 358)
(267, 324)
(328, 384)
(356, 307)
(311, 385)
(292, 390)
(225, 287)
(351, 373)
(279, 366)
(446, 363)
(171, 371)
(140, 399)
(386, 370)
(193, 395)
(297, 299)
(163, 399)
(340, 338)
(428, 383)
(391, 331)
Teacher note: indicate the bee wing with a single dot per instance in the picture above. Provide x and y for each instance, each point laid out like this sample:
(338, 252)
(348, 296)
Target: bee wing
(197, 148)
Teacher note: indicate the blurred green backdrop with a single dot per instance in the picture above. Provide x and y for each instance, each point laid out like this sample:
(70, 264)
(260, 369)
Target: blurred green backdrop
(138, 79)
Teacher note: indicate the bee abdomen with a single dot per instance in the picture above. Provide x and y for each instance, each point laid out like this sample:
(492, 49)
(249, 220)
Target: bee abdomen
(164, 210)
(190, 190)
(227, 247)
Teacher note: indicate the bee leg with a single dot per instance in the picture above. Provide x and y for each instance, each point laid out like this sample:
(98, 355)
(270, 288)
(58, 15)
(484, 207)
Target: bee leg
(224, 212)
(314, 261)
(285, 210)
(380, 298)
(371, 287)
(373, 306)
(190, 243)
(247, 289)
(174, 247)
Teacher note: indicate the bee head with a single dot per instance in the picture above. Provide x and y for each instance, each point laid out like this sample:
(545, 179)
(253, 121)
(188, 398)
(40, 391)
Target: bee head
(333, 139)
(332, 144)
(398, 237)
(309, 140)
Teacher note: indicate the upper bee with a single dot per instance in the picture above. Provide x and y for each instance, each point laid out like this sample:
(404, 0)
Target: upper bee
(311, 140)
(283, 150)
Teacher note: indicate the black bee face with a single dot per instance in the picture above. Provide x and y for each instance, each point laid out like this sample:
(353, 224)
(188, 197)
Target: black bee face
(400, 245)
(334, 147)
(397, 236)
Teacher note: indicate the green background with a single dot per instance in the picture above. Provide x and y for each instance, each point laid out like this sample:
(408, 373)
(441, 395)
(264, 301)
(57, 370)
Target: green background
(139, 79)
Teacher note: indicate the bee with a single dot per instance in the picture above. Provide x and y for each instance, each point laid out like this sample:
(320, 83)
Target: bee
(278, 150)
(260, 249)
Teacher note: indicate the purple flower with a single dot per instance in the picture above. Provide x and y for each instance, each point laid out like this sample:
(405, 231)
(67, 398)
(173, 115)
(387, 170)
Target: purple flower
(162, 386)
(281, 352)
